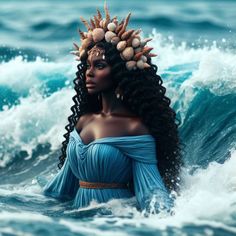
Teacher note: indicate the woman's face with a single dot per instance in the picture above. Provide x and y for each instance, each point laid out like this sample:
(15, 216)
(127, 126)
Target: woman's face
(98, 77)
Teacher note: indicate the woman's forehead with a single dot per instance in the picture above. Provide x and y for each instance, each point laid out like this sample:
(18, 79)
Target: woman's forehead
(94, 58)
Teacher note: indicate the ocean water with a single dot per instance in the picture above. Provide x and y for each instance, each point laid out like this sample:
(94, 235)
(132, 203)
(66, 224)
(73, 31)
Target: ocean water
(195, 43)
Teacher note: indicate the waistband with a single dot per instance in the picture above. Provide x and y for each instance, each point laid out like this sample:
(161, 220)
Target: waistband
(84, 184)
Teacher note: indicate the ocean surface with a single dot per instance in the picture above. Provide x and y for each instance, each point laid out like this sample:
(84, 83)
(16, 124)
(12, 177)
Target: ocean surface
(195, 42)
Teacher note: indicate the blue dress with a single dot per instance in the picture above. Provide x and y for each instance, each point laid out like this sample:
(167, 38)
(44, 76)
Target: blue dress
(110, 160)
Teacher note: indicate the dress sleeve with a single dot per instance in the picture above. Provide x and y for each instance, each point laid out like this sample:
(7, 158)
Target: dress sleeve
(63, 185)
(150, 191)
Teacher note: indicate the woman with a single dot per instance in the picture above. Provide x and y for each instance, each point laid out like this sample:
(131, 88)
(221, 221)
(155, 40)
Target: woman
(121, 140)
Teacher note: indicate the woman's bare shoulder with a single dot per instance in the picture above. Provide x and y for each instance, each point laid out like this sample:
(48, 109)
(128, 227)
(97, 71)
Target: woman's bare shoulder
(83, 120)
(137, 127)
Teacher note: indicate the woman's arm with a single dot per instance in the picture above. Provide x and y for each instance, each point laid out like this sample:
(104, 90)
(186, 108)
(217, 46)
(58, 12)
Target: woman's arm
(63, 185)
(150, 191)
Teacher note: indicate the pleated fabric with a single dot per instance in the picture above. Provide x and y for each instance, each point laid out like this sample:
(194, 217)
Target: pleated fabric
(110, 160)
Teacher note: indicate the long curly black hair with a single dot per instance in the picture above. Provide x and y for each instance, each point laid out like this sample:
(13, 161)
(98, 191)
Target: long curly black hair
(144, 95)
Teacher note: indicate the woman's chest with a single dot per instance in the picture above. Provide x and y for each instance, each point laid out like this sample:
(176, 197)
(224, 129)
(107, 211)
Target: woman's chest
(109, 127)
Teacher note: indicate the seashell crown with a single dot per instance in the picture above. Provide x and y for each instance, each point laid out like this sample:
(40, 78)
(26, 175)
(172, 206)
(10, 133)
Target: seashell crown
(132, 48)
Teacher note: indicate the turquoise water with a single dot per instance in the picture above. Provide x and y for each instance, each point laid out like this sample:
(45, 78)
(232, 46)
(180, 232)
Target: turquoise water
(196, 47)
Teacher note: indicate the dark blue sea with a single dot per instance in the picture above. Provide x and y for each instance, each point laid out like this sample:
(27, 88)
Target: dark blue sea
(196, 44)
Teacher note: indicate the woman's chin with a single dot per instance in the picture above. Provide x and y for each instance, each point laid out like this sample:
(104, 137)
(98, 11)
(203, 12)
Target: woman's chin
(91, 91)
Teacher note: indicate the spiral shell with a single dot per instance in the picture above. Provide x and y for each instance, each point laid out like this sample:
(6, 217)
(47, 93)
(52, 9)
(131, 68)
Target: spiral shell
(98, 34)
(109, 35)
(128, 53)
(121, 46)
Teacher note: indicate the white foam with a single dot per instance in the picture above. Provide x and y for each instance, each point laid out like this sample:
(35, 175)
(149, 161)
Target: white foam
(208, 197)
(39, 120)
(21, 75)
(24, 216)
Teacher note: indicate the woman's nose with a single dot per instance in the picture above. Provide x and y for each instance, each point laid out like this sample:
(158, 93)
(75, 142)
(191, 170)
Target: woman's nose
(89, 71)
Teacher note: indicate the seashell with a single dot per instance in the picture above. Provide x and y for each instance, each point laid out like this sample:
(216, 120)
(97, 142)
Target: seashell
(138, 55)
(118, 28)
(136, 50)
(85, 23)
(90, 35)
(82, 34)
(146, 65)
(144, 41)
(140, 64)
(99, 15)
(121, 32)
(135, 42)
(77, 53)
(138, 37)
(130, 39)
(147, 39)
(122, 57)
(136, 32)
(121, 45)
(151, 55)
(101, 23)
(92, 23)
(107, 15)
(111, 26)
(96, 20)
(86, 42)
(98, 34)
(115, 40)
(126, 21)
(76, 46)
(147, 50)
(130, 64)
(109, 35)
(114, 20)
(143, 58)
(127, 34)
(128, 53)
(80, 49)
(104, 25)
(83, 53)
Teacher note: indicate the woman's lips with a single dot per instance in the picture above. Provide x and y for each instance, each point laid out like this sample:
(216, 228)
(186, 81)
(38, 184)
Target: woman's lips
(90, 85)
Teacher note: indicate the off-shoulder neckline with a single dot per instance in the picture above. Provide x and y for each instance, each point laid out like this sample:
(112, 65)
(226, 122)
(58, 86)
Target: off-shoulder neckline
(111, 137)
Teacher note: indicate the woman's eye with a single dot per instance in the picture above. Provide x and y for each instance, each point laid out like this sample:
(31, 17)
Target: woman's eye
(100, 66)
